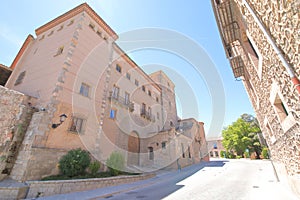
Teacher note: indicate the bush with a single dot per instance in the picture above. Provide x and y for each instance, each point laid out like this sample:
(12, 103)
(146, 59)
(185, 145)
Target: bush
(238, 157)
(223, 154)
(247, 154)
(115, 163)
(74, 163)
(94, 167)
(265, 153)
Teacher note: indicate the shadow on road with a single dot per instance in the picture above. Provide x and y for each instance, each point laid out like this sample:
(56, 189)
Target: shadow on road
(167, 184)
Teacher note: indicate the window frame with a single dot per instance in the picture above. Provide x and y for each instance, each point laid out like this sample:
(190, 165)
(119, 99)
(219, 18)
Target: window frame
(113, 113)
(128, 76)
(82, 89)
(115, 92)
(74, 124)
(118, 68)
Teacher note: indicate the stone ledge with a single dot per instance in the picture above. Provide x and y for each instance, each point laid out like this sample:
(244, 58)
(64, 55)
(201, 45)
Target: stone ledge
(48, 188)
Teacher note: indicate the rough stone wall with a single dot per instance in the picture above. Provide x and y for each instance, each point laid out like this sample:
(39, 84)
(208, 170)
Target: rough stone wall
(284, 144)
(15, 115)
(35, 161)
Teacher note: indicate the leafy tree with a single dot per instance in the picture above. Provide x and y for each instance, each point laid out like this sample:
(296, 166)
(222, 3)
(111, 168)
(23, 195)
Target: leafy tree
(242, 135)
(74, 162)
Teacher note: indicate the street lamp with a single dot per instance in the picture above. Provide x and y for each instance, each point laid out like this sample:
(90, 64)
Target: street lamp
(62, 118)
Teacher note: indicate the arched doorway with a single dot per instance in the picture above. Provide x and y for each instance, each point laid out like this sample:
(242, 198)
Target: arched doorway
(133, 149)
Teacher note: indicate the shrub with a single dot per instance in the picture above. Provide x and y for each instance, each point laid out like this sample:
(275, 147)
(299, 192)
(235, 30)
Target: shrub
(246, 154)
(115, 163)
(223, 154)
(74, 162)
(238, 157)
(94, 167)
(265, 153)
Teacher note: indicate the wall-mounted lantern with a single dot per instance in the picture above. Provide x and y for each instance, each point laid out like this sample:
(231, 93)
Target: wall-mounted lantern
(62, 118)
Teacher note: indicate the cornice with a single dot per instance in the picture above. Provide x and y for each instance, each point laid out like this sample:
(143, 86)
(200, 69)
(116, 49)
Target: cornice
(75, 11)
(21, 51)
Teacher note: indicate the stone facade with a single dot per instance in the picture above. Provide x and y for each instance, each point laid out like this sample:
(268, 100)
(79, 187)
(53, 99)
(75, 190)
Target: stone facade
(262, 43)
(16, 110)
(215, 147)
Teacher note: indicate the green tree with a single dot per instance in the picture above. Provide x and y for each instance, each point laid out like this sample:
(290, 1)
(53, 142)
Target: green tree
(74, 162)
(242, 135)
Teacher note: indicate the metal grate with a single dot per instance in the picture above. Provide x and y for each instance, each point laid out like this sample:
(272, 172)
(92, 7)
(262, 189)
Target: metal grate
(237, 65)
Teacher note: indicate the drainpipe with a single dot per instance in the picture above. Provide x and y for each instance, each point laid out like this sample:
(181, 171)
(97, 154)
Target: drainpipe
(286, 65)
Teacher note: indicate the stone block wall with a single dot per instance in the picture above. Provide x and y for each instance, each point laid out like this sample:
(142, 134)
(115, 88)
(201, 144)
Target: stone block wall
(47, 188)
(15, 114)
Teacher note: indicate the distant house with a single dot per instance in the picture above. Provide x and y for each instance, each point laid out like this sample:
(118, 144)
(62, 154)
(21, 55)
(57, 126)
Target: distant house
(215, 147)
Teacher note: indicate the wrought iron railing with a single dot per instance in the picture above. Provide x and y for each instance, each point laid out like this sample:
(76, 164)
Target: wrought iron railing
(147, 115)
(122, 101)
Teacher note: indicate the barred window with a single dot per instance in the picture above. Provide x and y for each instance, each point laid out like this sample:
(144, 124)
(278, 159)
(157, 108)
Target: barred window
(76, 125)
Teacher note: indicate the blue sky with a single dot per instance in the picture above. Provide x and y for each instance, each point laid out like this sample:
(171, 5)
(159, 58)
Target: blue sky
(192, 18)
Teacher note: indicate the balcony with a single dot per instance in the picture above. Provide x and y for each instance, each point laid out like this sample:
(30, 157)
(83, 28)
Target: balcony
(237, 65)
(121, 101)
(228, 17)
(232, 30)
(147, 115)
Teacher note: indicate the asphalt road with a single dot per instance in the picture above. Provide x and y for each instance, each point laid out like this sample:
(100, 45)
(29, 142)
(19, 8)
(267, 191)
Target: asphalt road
(218, 179)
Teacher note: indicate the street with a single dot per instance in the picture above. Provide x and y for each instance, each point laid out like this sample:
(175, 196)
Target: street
(218, 179)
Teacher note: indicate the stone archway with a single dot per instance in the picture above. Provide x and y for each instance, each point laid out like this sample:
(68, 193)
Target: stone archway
(133, 149)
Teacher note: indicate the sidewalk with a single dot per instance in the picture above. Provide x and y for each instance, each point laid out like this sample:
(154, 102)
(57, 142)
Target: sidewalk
(109, 191)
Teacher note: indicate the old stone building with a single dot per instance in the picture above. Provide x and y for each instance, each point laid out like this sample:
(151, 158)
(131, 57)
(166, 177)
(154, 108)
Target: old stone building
(261, 41)
(215, 147)
(87, 93)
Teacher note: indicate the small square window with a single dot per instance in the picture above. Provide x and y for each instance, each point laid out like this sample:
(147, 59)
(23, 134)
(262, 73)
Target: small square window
(99, 33)
(71, 22)
(215, 146)
(280, 108)
(143, 88)
(136, 82)
(128, 76)
(76, 125)
(20, 78)
(163, 145)
(112, 114)
(157, 100)
(84, 90)
(118, 68)
(42, 38)
(50, 33)
(149, 93)
(92, 26)
(59, 51)
(60, 28)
